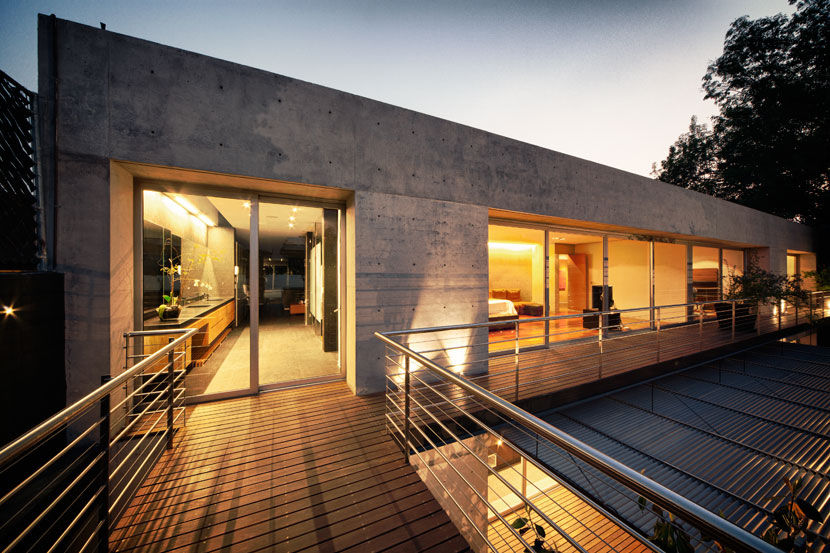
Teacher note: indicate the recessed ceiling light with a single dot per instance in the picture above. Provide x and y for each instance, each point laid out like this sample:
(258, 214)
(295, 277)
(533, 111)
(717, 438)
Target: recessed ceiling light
(246, 204)
(291, 218)
(290, 225)
(294, 209)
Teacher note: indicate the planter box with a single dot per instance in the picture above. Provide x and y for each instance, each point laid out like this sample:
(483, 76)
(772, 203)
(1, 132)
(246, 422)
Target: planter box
(744, 316)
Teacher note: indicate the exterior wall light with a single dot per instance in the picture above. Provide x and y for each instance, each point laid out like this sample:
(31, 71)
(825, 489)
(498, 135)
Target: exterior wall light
(8, 310)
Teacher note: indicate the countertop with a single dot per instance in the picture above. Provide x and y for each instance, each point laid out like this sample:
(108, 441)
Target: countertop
(189, 314)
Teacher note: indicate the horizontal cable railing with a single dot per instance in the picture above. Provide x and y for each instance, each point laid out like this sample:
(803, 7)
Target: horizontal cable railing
(528, 357)
(454, 432)
(65, 483)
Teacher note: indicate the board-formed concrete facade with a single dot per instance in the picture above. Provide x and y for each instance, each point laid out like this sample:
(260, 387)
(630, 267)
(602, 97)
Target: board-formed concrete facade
(418, 191)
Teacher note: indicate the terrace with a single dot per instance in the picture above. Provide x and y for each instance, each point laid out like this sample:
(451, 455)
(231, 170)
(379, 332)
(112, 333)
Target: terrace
(449, 459)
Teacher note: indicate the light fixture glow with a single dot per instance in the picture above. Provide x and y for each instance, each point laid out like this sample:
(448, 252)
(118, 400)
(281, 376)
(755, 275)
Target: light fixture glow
(510, 246)
(246, 204)
(294, 209)
(291, 218)
(185, 203)
(236, 270)
(205, 219)
(173, 206)
(290, 225)
(8, 310)
(498, 443)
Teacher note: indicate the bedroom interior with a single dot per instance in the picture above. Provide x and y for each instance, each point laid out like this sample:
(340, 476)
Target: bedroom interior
(639, 272)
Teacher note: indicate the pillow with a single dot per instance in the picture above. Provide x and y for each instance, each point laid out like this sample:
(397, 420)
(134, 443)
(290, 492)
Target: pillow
(514, 294)
(499, 293)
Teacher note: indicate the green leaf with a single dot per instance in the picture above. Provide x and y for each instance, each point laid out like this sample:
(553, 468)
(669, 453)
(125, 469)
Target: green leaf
(519, 523)
(808, 509)
(540, 531)
(166, 298)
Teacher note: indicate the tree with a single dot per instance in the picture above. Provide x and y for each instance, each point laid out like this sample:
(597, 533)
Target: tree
(769, 147)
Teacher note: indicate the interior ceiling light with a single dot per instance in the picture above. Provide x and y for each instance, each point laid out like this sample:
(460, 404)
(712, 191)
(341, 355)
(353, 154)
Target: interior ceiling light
(182, 205)
(514, 247)
(246, 204)
(290, 225)
(185, 203)
(294, 209)
(291, 218)
(204, 218)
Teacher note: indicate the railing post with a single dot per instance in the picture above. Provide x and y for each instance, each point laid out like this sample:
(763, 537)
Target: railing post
(406, 407)
(516, 357)
(700, 328)
(758, 318)
(733, 320)
(796, 311)
(780, 309)
(659, 324)
(104, 476)
(171, 390)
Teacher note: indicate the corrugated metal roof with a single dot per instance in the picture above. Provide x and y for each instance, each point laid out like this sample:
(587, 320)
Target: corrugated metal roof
(725, 435)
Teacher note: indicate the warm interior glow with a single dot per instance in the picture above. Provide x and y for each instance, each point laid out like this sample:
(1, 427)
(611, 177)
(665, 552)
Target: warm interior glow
(205, 219)
(511, 246)
(8, 310)
(236, 270)
(173, 206)
(185, 203)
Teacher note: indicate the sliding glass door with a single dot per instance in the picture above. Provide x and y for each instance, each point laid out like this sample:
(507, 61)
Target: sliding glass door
(258, 279)
(298, 293)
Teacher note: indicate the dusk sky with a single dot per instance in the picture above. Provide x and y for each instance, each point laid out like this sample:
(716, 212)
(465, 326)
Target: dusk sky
(611, 81)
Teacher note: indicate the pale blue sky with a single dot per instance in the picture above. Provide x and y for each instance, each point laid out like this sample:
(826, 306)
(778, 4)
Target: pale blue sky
(611, 81)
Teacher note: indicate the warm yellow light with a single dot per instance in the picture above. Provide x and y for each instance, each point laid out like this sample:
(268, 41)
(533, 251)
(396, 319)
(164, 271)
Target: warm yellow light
(173, 206)
(246, 204)
(204, 218)
(294, 209)
(291, 218)
(185, 203)
(236, 270)
(511, 246)
(8, 310)
(498, 443)
(290, 225)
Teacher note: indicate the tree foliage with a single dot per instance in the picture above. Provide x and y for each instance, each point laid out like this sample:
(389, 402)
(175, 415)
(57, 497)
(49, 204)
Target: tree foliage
(769, 147)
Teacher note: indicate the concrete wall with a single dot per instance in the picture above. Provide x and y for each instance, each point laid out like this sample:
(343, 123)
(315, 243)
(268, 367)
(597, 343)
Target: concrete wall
(422, 185)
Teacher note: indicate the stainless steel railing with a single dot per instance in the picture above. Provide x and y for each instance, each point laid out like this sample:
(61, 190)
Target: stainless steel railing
(452, 430)
(530, 356)
(64, 484)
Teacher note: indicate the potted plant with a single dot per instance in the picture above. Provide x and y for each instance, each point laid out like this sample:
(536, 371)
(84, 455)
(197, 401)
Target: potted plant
(170, 309)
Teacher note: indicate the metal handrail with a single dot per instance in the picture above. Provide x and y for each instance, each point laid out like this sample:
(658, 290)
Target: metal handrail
(424, 330)
(722, 530)
(70, 413)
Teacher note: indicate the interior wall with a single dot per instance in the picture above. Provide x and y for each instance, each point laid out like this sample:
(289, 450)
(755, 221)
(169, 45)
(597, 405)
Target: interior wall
(593, 253)
(670, 279)
(628, 274)
(512, 269)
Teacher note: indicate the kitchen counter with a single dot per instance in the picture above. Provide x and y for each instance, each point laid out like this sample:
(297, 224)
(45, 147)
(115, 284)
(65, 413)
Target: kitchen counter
(189, 314)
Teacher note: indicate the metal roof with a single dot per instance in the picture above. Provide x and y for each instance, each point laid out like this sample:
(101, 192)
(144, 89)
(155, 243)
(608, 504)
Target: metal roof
(726, 434)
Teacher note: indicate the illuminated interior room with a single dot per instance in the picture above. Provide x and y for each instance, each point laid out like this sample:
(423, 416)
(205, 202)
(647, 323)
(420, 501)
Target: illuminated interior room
(196, 252)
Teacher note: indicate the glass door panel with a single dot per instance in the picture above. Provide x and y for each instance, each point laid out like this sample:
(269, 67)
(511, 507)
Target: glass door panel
(195, 275)
(299, 273)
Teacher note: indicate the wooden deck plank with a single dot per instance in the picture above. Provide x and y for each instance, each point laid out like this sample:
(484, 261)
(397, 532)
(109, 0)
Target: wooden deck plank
(302, 469)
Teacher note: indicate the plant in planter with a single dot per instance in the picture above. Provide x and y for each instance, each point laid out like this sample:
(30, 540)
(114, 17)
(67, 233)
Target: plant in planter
(755, 287)
(525, 524)
(789, 522)
(170, 309)
(666, 533)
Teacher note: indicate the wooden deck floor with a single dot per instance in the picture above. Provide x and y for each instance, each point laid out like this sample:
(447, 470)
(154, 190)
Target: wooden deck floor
(306, 469)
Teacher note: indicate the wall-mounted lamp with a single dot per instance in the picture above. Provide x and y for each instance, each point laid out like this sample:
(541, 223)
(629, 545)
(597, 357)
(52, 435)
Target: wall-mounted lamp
(8, 310)
(236, 270)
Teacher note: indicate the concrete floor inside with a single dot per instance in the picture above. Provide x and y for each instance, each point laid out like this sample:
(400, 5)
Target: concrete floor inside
(289, 350)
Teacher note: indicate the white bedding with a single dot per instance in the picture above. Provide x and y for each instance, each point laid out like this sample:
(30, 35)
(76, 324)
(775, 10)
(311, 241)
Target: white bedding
(501, 308)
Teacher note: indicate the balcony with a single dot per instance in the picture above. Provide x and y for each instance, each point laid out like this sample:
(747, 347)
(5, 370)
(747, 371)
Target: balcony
(131, 468)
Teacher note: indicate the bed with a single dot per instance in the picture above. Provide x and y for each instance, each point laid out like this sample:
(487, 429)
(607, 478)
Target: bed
(502, 310)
